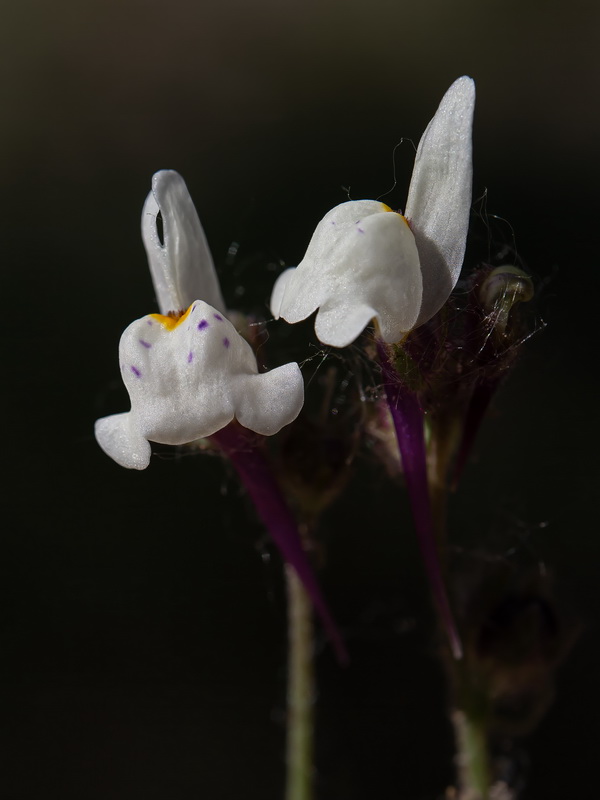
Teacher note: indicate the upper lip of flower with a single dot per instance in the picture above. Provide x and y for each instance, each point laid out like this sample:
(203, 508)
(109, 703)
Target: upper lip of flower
(181, 265)
(363, 262)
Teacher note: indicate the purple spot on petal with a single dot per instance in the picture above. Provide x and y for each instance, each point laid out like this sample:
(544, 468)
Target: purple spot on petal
(145, 344)
(190, 357)
(360, 230)
(218, 316)
(226, 342)
(202, 325)
(149, 321)
(136, 371)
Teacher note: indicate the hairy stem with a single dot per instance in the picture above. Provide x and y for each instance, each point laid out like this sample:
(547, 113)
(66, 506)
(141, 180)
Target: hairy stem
(246, 453)
(300, 693)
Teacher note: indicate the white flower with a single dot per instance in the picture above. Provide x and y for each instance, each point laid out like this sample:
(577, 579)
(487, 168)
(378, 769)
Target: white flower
(189, 373)
(364, 261)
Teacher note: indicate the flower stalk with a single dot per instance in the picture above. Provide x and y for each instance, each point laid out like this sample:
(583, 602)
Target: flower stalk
(472, 758)
(300, 691)
(245, 453)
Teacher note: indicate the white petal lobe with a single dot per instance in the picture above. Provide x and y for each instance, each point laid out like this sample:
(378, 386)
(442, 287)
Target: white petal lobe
(278, 292)
(120, 439)
(439, 198)
(267, 402)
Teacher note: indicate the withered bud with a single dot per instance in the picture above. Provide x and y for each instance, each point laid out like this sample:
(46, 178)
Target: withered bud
(500, 291)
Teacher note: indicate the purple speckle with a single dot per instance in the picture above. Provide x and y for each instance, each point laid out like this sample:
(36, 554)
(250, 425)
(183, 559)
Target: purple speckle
(360, 230)
(149, 321)
(190, 357)
(145, 344)
(226, 342)
(202, 325)
(136, 371)
(218, 316)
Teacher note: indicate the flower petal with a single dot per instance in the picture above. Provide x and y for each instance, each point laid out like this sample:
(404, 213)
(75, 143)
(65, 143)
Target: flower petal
(122, 441)
(182, 268)
(338, 325)
(188, 378)
(265, 403)
(439, 198)
(279, 290)
(362, 262)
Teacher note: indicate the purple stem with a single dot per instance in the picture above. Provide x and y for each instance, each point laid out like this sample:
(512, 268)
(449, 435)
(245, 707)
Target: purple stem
(241, 448)
(408, 422)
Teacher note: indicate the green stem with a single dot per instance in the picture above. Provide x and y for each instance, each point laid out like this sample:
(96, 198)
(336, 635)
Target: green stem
(301, 691)
(472, 757)
(469, 717)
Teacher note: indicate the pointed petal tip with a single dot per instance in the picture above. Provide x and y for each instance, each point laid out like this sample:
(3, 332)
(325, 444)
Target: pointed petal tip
(459, 97)
(464, 80)
(461, 94)
(465, 84)
(456, 107)
(163, 178)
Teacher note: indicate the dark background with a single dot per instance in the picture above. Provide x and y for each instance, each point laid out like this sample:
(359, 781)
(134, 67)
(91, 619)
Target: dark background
(142, 627)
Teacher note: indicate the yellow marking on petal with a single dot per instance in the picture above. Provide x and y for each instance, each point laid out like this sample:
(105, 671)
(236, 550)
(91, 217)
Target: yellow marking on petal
(174, 318)
(387, 208)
